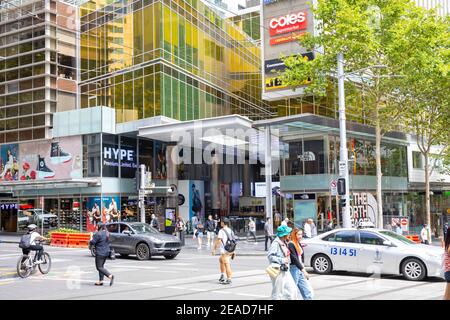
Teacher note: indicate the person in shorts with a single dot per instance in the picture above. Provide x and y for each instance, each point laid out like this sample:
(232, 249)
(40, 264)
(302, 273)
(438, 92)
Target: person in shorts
(225, 256)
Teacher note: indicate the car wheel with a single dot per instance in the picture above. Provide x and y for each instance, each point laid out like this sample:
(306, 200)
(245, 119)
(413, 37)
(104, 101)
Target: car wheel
(143, 251)
(322, 264)
(413, 269)
(170, 256)
(93, 251)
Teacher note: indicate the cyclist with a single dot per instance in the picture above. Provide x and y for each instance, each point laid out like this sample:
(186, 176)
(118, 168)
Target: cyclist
(34, 236)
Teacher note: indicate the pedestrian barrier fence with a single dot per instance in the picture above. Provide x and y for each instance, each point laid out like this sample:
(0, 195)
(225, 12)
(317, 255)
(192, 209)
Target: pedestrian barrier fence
(79, 240)
(59, 239)
(414, 238)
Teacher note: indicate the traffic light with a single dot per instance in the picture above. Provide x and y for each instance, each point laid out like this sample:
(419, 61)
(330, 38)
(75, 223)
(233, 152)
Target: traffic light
(341, 186)
(342, 202)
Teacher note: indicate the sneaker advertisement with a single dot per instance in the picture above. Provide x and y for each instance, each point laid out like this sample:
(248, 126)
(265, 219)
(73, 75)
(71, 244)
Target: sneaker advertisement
(56, 159)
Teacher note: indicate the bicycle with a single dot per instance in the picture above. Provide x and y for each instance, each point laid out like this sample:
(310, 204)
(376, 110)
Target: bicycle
(26, 265)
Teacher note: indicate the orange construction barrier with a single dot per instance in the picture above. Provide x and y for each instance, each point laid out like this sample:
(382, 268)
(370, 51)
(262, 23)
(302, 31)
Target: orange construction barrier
(414, 238)
(58, 239)
(79, 240)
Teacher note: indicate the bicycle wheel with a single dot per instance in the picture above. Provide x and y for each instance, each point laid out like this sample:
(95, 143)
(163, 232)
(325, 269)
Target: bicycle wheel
(46, 265)
(24, 266)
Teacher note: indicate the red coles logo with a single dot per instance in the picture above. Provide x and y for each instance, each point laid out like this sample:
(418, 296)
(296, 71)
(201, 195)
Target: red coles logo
(288, 23)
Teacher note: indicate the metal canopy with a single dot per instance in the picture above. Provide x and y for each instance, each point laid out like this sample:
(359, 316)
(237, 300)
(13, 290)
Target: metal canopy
(47, 184)
(308, 124)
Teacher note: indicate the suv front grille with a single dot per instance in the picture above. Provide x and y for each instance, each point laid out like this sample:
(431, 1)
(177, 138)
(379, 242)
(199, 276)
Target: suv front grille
(172, 245)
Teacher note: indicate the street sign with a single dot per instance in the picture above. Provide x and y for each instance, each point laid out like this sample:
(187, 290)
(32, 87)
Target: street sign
(342, 168)
(404, 222)
(333, 187)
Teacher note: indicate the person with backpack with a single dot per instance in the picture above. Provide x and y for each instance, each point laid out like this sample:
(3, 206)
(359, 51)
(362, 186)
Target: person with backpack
(102, 251)
(227, 242)
(28, 242)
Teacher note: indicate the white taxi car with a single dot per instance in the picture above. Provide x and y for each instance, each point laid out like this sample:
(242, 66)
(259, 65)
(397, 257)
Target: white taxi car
(372, 251)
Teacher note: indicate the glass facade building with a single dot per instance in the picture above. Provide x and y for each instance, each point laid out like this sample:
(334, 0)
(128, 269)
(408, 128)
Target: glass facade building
(175, 58)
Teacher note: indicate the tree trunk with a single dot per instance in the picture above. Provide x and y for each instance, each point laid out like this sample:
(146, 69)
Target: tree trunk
(379, 174)
(427, 191)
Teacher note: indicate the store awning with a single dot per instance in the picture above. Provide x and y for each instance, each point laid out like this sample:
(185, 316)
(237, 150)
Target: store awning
(47, 184)
(220, 130)
(307, 124)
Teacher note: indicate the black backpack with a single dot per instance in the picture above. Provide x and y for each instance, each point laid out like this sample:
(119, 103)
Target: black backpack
(230, 245)
(25, 241)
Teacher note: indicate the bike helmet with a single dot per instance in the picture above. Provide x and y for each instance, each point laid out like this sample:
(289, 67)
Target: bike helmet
(32, 227)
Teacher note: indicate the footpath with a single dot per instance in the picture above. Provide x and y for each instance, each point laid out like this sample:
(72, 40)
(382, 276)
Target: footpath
(243, 247)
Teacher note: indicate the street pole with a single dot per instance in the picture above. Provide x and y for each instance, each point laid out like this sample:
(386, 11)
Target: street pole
(343, 163)
(142, 182)
(268, 172)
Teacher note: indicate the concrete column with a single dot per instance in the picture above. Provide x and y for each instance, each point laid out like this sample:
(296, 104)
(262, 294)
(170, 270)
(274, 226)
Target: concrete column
(268, 172)
(215, 199)
(246, 181)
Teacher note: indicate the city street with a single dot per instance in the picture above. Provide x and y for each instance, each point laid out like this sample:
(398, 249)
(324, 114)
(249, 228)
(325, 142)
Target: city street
(192, 275)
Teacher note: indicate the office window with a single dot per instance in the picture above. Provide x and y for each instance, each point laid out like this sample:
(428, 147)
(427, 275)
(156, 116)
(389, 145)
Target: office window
(417, 160)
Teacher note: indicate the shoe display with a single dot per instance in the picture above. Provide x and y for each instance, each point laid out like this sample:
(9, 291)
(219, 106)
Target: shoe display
(57, 155)
(42, 170)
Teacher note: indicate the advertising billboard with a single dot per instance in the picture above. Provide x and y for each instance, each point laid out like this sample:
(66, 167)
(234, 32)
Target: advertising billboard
(9, 162)
(193, 193)
(119, 156)
(284, 22)
(102, 209)
(56, 159)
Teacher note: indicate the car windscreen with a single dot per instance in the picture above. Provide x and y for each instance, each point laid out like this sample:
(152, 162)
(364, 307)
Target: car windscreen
(143, 228)
(397, 237)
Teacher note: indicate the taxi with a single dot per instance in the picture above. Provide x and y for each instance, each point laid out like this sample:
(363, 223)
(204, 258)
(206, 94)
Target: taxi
(372, 251)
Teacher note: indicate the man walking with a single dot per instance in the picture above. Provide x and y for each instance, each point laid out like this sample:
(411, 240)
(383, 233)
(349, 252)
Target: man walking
(210, 228)
(252, 229)
(268, 234)
(425, 234)
(225, 255)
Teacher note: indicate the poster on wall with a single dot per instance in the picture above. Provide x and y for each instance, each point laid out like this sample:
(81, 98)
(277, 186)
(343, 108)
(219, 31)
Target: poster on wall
(197, 199)
(9, 163)
(224, 195)
(102, 209)
(170, 217)
(94, 214)
(193, 193)
(160, 161)
(363, 209)
(57, 159)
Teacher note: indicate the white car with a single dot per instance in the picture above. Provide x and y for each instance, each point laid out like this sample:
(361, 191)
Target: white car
(372, 251)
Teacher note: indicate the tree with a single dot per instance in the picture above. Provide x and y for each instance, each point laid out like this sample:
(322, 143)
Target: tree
(366, 32)
(425, 45)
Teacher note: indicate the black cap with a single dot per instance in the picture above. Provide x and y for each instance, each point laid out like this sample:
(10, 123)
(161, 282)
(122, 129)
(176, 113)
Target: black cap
(226, 221)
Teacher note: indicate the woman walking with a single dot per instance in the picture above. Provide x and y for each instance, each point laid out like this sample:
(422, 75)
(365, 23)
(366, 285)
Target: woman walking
(101, 243)
(297, 268)
(447, 265)
(278, 254)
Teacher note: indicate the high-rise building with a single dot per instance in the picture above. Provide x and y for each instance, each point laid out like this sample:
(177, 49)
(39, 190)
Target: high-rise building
(38, 66)
(178, 59)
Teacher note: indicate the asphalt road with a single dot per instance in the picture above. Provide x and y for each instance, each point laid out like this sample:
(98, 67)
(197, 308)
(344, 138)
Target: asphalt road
(192, 275)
